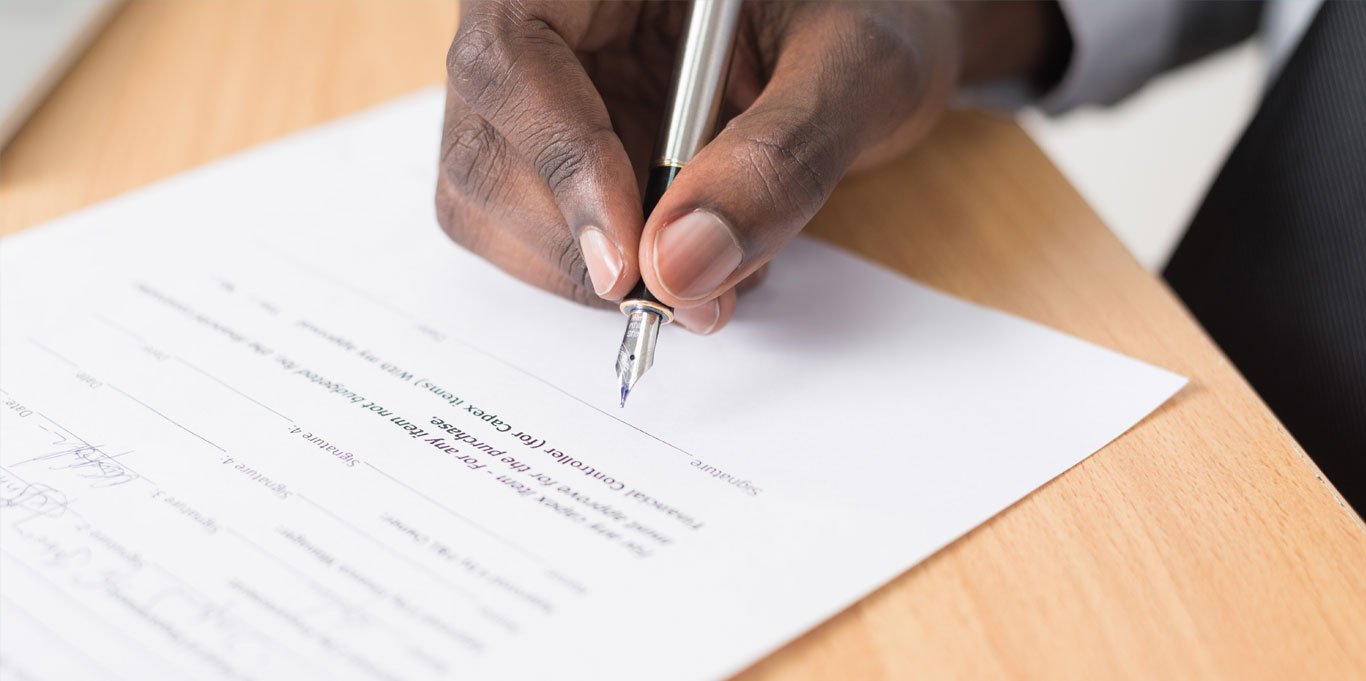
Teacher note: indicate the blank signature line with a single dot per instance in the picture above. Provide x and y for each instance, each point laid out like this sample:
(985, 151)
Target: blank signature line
(127, 332)
(229, 387)
(572, 396)
(54, 353)
(120, 328)
(417, 321)
(169, 419)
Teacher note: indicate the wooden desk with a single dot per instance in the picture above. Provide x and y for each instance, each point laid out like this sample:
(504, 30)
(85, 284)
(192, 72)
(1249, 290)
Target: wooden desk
(1201, 544)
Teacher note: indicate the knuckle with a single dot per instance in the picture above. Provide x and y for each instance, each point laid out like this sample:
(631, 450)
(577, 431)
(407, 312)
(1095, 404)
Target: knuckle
(483, 61)
(790, 157)
(480, 58)
(474, 159)
(564, 158)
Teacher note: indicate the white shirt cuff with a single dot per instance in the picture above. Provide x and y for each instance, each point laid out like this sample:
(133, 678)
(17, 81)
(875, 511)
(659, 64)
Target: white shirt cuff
(1117, 45)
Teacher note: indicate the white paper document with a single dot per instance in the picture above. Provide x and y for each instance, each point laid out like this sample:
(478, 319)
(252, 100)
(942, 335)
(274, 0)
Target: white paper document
(264, 421)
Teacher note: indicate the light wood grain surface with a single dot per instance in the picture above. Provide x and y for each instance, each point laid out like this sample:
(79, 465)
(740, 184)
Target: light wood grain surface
(1201, 544)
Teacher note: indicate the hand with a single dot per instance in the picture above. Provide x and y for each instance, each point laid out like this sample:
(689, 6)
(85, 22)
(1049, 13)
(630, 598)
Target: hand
(552, 109)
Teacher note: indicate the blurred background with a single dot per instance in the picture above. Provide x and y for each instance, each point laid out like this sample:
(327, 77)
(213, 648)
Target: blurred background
(1145, 192)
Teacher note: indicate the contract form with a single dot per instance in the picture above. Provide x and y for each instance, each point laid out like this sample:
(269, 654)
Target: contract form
(262, 420)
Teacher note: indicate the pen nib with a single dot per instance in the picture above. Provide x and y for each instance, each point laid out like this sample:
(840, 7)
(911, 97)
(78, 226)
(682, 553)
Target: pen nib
(637, 352)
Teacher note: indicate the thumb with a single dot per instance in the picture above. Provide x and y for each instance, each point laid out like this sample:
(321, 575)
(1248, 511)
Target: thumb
(838, 87)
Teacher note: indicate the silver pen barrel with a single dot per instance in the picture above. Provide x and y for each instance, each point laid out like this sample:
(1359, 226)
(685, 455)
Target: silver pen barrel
(699, 80)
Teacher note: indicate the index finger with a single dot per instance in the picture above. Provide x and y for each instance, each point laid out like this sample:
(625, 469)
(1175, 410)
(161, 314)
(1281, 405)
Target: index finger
(514, 65)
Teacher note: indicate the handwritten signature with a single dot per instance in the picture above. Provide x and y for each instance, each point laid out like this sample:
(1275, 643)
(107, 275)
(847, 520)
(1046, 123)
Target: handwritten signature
(89, 461)
(38, 499)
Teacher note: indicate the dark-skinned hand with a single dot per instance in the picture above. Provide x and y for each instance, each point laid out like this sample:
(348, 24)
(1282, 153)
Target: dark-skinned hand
(553, 106)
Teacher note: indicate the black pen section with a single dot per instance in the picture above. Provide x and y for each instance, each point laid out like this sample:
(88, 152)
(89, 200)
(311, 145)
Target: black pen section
(661, 176)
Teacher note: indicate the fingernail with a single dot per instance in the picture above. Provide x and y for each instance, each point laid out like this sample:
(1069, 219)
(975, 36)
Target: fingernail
(695, 254)
(700, 319)
(602, 258)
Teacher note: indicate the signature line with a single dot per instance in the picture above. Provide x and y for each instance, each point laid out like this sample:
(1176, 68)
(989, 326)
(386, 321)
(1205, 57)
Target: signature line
(229, 387)
(416, 321)
(169, 419)
(120, 328)
(54, 353)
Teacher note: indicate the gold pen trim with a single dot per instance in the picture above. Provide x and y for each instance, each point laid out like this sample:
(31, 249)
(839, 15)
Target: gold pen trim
(629, 306)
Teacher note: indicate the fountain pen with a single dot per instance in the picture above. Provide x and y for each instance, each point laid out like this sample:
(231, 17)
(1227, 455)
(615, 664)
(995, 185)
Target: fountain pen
(699, 77)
